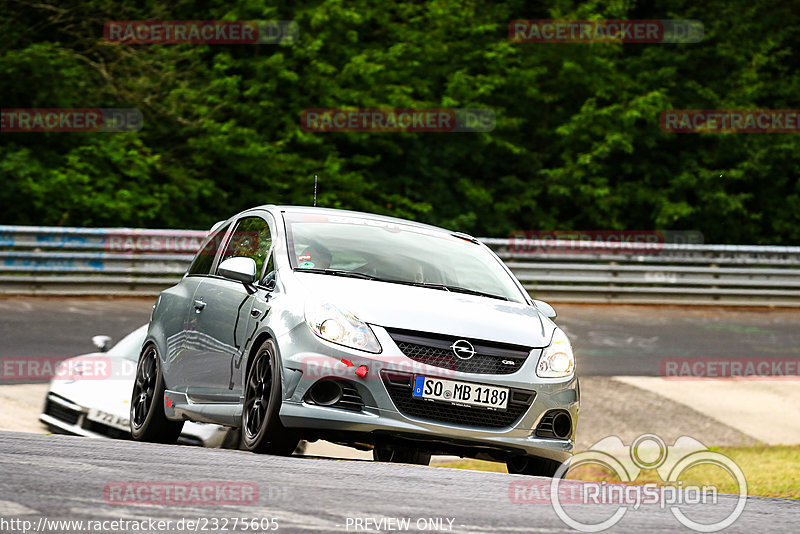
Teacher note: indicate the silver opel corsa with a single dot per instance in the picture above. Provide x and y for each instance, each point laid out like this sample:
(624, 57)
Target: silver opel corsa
(379, 333)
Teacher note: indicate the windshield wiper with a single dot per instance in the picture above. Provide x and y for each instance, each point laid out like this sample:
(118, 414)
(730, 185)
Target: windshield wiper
(429, 285)
(446, 287)
(467, 291)
(337, 272)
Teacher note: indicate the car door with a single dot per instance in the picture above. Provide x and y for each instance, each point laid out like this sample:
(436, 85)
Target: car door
(218, 325)
(175, 307)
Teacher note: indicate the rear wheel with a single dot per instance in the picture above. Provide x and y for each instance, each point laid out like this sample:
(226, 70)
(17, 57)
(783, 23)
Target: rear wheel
(531, 465)
(403, 454)
(147, 419)
(262, 430)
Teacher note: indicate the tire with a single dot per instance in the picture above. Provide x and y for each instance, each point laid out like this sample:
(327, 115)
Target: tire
(401, 454)
(531, 465)
(233, 439)
(147, 419)
(262, 430)
(301, 448)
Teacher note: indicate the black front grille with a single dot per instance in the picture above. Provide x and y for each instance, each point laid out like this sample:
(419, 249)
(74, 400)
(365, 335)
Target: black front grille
(490, 358)
(399, 386)
(61, 412)
(350, 400)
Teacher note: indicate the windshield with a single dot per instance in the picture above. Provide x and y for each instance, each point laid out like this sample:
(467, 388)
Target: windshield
(130, 346)
(395, 252)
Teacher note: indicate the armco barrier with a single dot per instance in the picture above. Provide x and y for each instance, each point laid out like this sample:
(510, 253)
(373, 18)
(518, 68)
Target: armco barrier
(124, 261)
(93, 261)
(667, 273)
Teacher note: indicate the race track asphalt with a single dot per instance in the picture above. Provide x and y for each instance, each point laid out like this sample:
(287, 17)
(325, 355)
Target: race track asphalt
(47, 478)
(609, 340)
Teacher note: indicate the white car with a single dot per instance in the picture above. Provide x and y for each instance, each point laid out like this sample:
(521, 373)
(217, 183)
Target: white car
(91, 394)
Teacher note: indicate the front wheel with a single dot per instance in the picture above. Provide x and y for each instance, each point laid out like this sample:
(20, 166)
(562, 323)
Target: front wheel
(147, 419)
(262, 430)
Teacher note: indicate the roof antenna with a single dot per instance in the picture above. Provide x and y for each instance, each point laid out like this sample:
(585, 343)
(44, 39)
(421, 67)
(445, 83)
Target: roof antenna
(315, 190)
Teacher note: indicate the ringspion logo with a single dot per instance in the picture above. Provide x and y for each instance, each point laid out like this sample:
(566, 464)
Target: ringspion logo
(647, 452)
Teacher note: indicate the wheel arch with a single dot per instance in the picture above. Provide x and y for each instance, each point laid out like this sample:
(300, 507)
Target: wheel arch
(153, 340)
(259, 340)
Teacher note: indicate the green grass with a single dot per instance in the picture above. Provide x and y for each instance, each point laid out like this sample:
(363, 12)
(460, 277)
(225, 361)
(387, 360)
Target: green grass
(771, 471)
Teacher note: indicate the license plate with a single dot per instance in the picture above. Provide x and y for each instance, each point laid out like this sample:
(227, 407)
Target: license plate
(108, 419)
(460, 393)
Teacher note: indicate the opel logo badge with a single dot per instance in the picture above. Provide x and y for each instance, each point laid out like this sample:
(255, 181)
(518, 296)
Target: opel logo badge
(463, 349)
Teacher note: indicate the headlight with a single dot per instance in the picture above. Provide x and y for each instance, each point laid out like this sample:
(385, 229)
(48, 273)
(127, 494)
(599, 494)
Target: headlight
(340, 327)
(153, 311)
(557, 360)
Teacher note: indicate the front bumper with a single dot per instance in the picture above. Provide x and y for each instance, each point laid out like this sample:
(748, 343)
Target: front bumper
(71, 418)
(381, 417)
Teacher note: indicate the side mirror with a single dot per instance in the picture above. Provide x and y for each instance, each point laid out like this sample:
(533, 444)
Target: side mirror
(239, 269)
(269, 281)
(545, 308)
(102, 343)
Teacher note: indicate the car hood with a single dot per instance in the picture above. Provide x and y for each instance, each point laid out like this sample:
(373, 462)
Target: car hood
(110, 392)
(432, 310)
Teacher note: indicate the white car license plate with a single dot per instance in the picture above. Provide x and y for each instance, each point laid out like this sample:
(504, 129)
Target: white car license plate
(108, 419)
(465, 393)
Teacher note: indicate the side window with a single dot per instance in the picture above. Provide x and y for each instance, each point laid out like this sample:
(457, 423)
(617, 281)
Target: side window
(269, 274)
(201, 265)
(250, 239)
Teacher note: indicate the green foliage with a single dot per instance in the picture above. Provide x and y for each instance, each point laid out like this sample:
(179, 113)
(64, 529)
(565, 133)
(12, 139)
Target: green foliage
(577, 143)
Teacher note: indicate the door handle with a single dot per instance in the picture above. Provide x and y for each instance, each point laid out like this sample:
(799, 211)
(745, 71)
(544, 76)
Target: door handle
(199, 305)
(255, 313)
